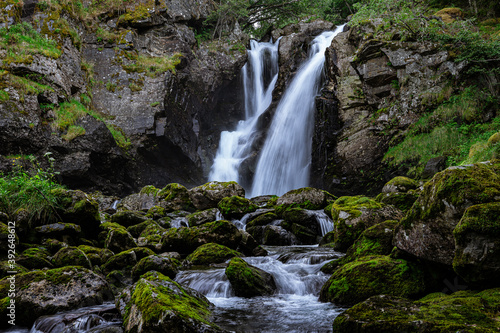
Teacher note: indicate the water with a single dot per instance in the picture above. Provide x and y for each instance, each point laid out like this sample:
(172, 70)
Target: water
(285, 159)
(294, 307)
(259, 78)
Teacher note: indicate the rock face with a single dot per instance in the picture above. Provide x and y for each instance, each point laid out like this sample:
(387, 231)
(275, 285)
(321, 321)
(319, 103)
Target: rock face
(157, 304)
(376, 88)
(41, 293)
(427, 229)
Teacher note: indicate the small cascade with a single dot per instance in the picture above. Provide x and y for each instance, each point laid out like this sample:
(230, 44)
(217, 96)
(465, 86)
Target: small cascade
(259, 78)
(213, 283)
(285, 159)
(324, 221)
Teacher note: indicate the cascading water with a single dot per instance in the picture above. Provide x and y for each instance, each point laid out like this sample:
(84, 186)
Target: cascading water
(285, 159)
(259, 78)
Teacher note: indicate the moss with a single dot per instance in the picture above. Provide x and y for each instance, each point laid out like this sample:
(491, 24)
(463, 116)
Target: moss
(164, 265)
(236, 207)
(212, 253)
(126, 260)
(402, 201)
(156, 212)
(71, 256)
(479, 219)
(140, 12)
(248, 281)
(35, 258)
(96, 255)
(402, 184)
(263, 219)
(178, 195)
(373, 275)
(149, 190)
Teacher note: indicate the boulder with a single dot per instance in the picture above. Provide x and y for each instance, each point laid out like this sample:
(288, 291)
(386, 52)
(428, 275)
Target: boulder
(141, 201)
(373, 275)
(174, 197)
(5, 236)
(66, 232)
(6, 267)
(211, 253)
(96, 255)
(155, 303)
(186, 240)
(45, 292)
(477, 245)
(399, 184)
(236, 207)
(275, 235)
(202, 217)
(307, 197)
(427, 229)
(262, 219)
(352, 215)
(151, 236)
(126, 260)
(208, 195)
(35, 258)
(463, 311)
(71, 256)
(128, 218)
(163, 264)
(249, 246)
(401, 200)
(118, 239)
(249, 281)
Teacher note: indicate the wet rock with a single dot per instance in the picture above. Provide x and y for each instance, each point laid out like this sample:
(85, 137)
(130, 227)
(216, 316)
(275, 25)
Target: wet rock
(162, 264)
(477, 245)
(211, 253)
(208, 195)
(65, 232)
(277, 235)
(427, 229)
(118, 239)
(399, 184)
(35, 258)
(249, 246)
(202, 217)
(176, 197)
(433, 166)
(308, 198)
(249, 281)
(126, 260)
(373, 275)
(96, 255)
(155, 303)
(44, 292)
(263, 219)
(128, 218)
(71, 256)
(236, 207)
(462, 311)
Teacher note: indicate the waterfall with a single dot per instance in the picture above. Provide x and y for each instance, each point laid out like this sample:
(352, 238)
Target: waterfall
(259, 74)
(285, 159)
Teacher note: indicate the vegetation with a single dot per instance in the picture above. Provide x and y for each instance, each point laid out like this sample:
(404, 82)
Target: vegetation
(30, 189)
(153, 66)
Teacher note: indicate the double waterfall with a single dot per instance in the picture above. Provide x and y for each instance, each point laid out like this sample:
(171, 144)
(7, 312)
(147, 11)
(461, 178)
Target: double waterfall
(285, 158)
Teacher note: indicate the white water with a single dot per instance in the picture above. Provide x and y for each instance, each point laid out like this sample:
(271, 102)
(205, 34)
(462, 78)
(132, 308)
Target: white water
(294, 307)
(285, 159)
(259, 78)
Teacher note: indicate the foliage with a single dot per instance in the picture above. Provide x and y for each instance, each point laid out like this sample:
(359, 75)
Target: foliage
(32, 190)
(74, 132)
(21, 42)
(153, 66)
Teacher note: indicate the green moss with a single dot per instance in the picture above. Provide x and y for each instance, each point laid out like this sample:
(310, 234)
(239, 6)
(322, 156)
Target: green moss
(149, 190)
(373, 275)
(262, 220)
(164, 265)
(402, 201)
(71, 256)
(140, 12)
(235, 206)
(4, 96)
(211, 253)
(248, 281)
(480, 219)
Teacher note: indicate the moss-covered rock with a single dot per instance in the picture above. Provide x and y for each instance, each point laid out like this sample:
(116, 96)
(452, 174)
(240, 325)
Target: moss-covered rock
(155, 303)
(66, 232)
(477, 241)
(249, 281)
(35, 258)
(151, 236)
(463, 311)
(186, 240)
(427, 229)
(118, 239)
(163, 264)
(96, 255)
(137, 229)
(328, 239)
(71, 256)
(307, 198)
(276, 235)
(202, 217)
(126, 260)
(373, 275)
(175, 197)
(400, 200)
(211, 253)
(352, 215)
(45, 292)
(262, 220)
(6, 267)
(399, 184)
(236, 207)
(249, 246)
(6, 238)
(128, 218)
(450, 15)
(208, 195)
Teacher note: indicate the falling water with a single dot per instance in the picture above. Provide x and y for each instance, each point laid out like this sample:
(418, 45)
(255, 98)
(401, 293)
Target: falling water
(259, 78)
(286, 156)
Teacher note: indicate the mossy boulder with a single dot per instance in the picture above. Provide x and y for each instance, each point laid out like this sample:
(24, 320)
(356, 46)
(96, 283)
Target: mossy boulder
(155, 303)
(137, 229)
(6, 238)
(46, 292)
(128, 218)
(174, 197)
(249, 246)
(118, 239)
(236, 207)
(97, 256)
(186, 240)
(400, 200)
(208, 195)
(276, 235)
(6, 267)
(211, 253)
(126, 260)
(151, 236)
(71, 256)
(202, 217)
(427, 229)
(140, 202)
(477, 245)
(261, 220)
(399, 184)
(463, 311)
(450, 15)
(66, 232)
(307, 197)
(163, 264)
(373, 275)
(35, 258)
(249, 281)
(302, 217)
(352, 215)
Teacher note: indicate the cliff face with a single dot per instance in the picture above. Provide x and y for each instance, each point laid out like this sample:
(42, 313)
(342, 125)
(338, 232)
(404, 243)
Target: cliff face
(376, 88)
(153, 100)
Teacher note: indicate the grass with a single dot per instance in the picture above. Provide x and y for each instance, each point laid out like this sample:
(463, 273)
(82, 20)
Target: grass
(68, 113)
(73, 132)
(21, 42)
(153, 66)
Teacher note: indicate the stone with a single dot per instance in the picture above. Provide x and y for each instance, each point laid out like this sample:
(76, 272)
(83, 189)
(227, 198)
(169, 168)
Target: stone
(127, 218)
(236, 207)
(126, 260)
(399, 184)
(308, 198)
(71, 256)
(202, 217)
(208, 195)
(176, 197)
(96, 255)
(118, 239)
(161, 264)
(433, 166)
(35, 258)
(249, 281)
(211, 253)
